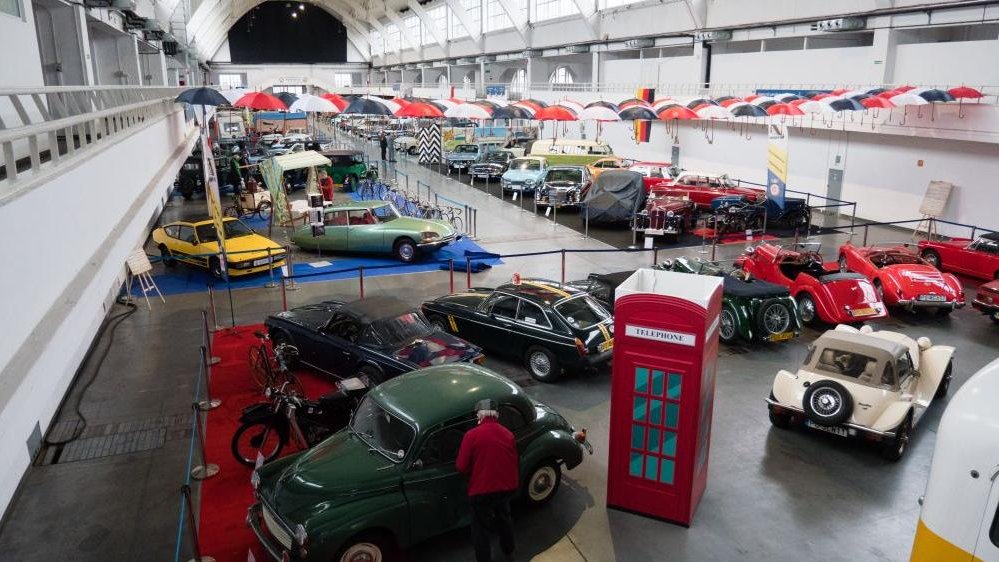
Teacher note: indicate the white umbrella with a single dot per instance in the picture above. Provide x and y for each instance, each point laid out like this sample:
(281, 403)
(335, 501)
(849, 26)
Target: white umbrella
(907, 98)
(812, 106)
(313, 104)
(391, 105)
(468, 111)
(713, 112)
(233, 95)
(573, 105)
(598, 113)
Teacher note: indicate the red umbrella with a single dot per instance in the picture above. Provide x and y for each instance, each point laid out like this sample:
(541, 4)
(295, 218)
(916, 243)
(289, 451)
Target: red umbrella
(796, 103)
(821, 96)
(751, 97)
(840, 91)
(904, 89)
(260, 100)
(876, 102)
(784, 109)
(339, 101)
(555, 113)
(420, 110)
(726, 103)
(965, 92)
(676, 112)
(888, 94)
(402, 102)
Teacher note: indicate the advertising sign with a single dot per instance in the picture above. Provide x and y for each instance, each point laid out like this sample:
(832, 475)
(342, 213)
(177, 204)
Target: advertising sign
(777, 163)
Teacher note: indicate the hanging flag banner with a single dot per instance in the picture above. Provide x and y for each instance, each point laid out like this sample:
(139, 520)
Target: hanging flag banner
(212, 195)
(648, 95)
(643, 130)
(777, 163)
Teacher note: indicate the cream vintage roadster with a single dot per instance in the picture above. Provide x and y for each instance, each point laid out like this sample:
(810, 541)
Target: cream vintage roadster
(873, 385)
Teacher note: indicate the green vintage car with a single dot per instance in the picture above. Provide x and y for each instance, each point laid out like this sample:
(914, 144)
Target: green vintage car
(347, 163)
(377, 227)
(752, 310)
(389, 480)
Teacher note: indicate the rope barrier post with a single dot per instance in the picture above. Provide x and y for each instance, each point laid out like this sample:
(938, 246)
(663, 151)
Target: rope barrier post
(208, 403)
(211, 301)
(270, 271)
(586, 221)
(450, 270)
(290, 266)
(766, 219)
(192, 526)
(853, 218)
(205, 470)
(714, 244)
(563, 267)
(866, 230)
(655, 255)
(284, 295)
(475, 223)
(468, 272)
(554, 217)
(208, 340)
(704, 232)
(360, 280)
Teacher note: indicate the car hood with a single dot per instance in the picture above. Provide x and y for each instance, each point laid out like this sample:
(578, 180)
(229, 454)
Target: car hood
(248, 247)
(562, 185)
(522, 175)
(313, 316)
(438, 348)
(339, 467)
(412, 224)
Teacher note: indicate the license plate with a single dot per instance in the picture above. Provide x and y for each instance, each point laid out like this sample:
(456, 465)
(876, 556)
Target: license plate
(867, 311)
(261, 261)
(609, 344)
(827, 428)
(783, 336)
(654, 232)
(486, 176)
(932, 298)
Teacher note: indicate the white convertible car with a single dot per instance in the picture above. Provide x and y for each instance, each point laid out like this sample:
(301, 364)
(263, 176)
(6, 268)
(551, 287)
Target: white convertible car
(862, 383)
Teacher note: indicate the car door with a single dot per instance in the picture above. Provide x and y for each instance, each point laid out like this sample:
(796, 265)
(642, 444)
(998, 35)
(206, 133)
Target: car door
(983, 260)
(334, 236)
(532, 327)
(436, 494)
(493, 320)
(363, 233)
(337, 351)
(186, 245)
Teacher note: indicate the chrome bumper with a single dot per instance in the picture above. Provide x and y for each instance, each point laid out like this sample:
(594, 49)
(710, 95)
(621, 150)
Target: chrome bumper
(848, 425)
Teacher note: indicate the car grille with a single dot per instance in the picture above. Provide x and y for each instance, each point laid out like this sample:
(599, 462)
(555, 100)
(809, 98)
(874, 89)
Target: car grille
(275, 528)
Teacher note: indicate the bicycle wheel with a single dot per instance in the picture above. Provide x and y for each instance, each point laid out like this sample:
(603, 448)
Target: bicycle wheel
(256, 437)
(456, 223)
(264, 210)
(260, 365)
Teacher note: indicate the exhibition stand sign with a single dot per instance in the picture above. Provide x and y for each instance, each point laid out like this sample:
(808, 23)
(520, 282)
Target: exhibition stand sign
(662, 392)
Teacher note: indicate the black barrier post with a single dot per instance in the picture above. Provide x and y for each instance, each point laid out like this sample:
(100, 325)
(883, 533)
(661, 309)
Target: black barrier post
(270, 271)
(284, 295)
(211, 301)
(563, 266)
(468, 272)
(205, 470)
(867, 229)
(207, 338)
(714, 244)
(655, 255)
(290, 265)
(360, 280)
(208, 403)
(853, 218)
(192, 526)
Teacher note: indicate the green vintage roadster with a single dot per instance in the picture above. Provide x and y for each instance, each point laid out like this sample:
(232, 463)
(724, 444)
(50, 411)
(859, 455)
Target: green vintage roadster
(389, 480)
(376, 227)
(752, 310)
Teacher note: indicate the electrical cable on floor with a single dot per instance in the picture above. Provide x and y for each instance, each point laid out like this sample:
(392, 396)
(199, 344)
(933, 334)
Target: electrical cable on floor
(113, 322)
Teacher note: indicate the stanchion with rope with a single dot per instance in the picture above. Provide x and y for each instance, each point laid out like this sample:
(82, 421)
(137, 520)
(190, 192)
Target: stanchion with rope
(270, 284)
(208, 403)
(211, 301)
(450, 270)
(290, 266)
(562, 279)
(468, 272)
(192, 526)
(205, 470)
(207, 340)
(360, 280)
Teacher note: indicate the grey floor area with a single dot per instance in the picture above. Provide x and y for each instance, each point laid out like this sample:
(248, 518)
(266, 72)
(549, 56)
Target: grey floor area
(772, 495)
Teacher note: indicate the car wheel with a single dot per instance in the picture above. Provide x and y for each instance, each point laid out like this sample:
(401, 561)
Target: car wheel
(542, 364)
(404, 250)
(542, 483)
(438, 322)
(367, 548)
(774, 318)
(932, 257)
(726, 325)
(166, 256)
(779, 420)
(370, 376)
(893, 449)
(806, 308)
(827, 402)
(944, 385)
(215, 268)
(842, 264)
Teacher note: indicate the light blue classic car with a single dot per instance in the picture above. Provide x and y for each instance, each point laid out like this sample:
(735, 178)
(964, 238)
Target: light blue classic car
(524, 174)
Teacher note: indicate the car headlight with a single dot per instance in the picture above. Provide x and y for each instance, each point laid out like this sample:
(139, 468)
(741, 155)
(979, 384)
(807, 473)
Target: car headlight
(669, 214)
(430, 236)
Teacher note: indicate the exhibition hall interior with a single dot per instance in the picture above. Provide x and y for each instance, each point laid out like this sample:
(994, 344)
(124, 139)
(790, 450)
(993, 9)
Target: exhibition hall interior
(518, 280)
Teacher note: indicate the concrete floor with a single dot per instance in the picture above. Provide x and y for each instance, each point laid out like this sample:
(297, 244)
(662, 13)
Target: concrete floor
(772, 495)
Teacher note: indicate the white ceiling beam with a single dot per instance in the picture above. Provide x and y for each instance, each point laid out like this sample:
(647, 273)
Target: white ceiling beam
(698, 10)
(588, 9)
(516, 16)
(381, 30)
(428, 22)
(458, 9)
(395, 18)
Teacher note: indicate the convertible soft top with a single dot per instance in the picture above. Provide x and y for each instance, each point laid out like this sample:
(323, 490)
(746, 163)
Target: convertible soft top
(372, 309)
(752, 289)
(879, 348)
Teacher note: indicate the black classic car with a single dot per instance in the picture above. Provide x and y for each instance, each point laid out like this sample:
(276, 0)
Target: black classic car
(493, 166)
(374, 339)
(548, 325)
(563, 186)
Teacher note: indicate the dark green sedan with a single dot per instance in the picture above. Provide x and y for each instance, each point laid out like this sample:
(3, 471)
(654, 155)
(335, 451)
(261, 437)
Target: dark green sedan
(389, 480)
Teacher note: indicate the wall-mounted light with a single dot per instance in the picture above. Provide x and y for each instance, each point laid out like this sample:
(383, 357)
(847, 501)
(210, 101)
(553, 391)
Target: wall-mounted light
(301, 7)
(294, 15)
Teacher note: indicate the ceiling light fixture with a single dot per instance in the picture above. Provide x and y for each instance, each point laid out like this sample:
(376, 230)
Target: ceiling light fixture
(301, 6)
(294, 14)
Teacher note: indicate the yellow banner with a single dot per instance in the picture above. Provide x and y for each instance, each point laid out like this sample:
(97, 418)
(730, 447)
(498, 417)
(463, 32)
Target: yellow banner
(212, 193)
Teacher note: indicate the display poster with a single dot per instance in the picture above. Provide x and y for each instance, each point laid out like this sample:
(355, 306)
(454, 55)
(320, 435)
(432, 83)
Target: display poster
(212, 194)
(937, 194)
(777, 163)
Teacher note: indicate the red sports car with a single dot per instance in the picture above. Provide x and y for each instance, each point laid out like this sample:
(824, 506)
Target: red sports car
(702, 189)
(987, 300)
(902, 278)
(822, 294)
(653, 173)
(979, 258)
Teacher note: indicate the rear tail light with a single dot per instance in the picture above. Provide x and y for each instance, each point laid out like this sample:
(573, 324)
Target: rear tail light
(581, 348)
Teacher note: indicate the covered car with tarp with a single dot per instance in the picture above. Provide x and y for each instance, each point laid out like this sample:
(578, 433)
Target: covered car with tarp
(615, 197)
(273, 170)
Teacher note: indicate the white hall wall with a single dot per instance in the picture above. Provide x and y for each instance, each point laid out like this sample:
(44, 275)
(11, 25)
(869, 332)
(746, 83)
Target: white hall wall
(845, 65)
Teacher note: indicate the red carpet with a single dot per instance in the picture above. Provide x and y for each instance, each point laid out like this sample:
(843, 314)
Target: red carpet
(226, 497)
(731, 238)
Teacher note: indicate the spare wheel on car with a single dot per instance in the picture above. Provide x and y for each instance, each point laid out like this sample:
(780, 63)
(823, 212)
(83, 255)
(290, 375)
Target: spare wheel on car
(827, 402)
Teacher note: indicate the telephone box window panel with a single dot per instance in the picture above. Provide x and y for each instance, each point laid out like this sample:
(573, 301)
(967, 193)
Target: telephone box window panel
(653, 445)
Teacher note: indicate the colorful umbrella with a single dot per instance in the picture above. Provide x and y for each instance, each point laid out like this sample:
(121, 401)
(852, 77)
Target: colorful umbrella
(637, 112)
(676, 111)
(822, 96)
(313, 104)
(490, 104)
(787, 97)
(876, 91)
(958, 93)
(812, 106)
(874, 102)
(339, 101)
(843, 104)
(796, 103)
(391, 105)
(612, 106)
(840, 91)
(907, 99)
(575, 106)
(904, 89)
(533, 104)
(287, 97)
(936, 95)
(732, 101)
(513, 112)
(420, 110)
(202, 96)
(860, 97)
(711, 111)
(722, 99)
(784, 109)
(474, 111)
(598, 113)
(764, 104)
(692, 104)
(745, 109)
(448, 103)
(364, 106)
(630, 102)
(751, 97)
(260, 100)
(403, 102)
(555, 113)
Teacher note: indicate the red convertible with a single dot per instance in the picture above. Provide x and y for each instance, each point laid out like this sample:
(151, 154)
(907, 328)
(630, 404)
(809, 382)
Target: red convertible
(666, 216)
(828, 296)
(703, 188)
(987, 300)
(653, 173)
(902, 278)
(979, 258)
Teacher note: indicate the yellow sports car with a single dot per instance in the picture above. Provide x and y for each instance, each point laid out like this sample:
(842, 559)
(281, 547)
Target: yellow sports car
(196, 242)
(609, 163)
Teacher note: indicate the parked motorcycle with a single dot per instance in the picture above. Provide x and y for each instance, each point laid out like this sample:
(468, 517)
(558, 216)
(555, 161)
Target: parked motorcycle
(268, 426)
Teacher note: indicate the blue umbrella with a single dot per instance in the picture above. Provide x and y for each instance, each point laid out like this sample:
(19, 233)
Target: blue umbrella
(201, 96)
(364, 106)
(936, 95)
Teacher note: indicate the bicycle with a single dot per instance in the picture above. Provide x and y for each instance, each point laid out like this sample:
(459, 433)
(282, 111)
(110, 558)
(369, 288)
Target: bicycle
(270, 371)
(237, 210)
(453, 216)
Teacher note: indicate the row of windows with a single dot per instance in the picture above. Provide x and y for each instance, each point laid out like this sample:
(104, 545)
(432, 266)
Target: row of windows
(518, 83)
(482, 15)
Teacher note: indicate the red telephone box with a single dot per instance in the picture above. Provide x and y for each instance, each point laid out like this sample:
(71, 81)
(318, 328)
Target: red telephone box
(662, 394)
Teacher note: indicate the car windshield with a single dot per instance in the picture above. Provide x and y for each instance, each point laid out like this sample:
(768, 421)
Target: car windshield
(523, 164)
(582, 312)
(381, 430)
(466, 149)
(385, 213)
(497, 157)
(849, 364)
(566, 175)
(401, 329)
(895, 258)
(233, 229)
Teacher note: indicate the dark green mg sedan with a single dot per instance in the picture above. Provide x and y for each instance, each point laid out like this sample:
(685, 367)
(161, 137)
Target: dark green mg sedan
(389, 480)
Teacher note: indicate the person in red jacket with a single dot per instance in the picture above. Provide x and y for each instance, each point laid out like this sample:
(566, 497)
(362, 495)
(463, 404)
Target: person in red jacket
(488, 457)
